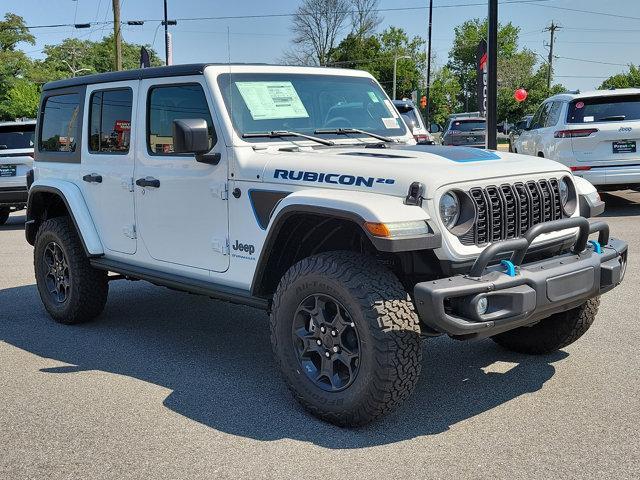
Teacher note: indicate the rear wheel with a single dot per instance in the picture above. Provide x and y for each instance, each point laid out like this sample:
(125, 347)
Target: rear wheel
(4, 215)
(71, 290)
(552, 333)
(346, 337)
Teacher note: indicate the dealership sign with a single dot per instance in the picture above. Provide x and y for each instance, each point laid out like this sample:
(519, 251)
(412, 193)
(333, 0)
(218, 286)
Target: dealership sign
(482, 76)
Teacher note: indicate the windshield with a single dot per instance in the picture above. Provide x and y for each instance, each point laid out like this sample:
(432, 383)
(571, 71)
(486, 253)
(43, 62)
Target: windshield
(16, 137)
(411, 118)
(604, 109)
(468, 125)
(305, 103)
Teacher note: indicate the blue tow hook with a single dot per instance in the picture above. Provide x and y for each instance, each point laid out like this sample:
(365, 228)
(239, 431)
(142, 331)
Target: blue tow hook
(511, 268)
(596, 246)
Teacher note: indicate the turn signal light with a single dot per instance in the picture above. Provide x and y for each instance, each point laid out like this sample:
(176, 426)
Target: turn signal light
(397, 229)
(378, 229)
(580, 169)
(583, 132)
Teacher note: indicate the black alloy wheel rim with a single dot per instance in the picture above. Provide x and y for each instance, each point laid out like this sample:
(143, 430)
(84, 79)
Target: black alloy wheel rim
(326, 342)
(57, 277)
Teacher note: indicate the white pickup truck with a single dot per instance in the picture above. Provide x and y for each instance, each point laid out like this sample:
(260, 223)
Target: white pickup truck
(300, 191)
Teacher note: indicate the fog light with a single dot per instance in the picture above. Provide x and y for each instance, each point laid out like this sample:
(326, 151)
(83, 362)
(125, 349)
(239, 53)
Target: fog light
(482, 306)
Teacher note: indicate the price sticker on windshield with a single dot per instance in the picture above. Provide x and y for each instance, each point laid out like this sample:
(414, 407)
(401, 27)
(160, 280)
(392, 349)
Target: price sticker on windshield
(272, 100)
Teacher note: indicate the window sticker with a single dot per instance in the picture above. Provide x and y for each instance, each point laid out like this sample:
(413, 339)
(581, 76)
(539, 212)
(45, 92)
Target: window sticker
(579, 105)
(272, 100)
(390, 123)
(588, 118)
(373, 97)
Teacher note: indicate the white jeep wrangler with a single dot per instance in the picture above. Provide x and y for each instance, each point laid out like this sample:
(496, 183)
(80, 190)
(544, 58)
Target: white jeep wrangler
(300, 191)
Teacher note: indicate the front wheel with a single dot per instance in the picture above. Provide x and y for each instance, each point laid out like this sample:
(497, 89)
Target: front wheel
(346, 337)
(552, 333)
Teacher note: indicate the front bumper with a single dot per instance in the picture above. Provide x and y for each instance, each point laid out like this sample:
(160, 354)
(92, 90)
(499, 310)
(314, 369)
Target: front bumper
(530, 293)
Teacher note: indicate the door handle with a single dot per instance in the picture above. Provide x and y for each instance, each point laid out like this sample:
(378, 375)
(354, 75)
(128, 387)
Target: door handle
(148, 182)
(92, 178)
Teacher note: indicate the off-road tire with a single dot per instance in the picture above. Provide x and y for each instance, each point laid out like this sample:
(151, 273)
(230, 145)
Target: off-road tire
(88, 287)
(4, 215)
(384, 315)
(552, 333)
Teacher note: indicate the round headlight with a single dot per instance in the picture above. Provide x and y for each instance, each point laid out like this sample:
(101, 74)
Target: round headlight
(564, 191)
(449, 209)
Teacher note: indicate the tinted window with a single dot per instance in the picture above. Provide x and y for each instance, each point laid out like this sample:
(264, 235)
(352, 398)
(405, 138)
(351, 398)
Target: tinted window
(411, 119)
(170, 103)
(554, 114)
(540, 118)
(16, 136)
(468, 125)
(60, 123)
(110, 121)
(604, 109)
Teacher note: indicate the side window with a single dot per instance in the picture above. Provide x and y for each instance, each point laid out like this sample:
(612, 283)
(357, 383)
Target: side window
(172, 102)
(554, 114)
(540, 118)
(110, 121)
(59, 123)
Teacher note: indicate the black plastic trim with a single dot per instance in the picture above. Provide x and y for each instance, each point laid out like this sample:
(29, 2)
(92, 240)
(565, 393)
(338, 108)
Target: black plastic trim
(589, 208)
(407, 244)
(13, 195)
(31, 226)
(263, 203)
(185, 284)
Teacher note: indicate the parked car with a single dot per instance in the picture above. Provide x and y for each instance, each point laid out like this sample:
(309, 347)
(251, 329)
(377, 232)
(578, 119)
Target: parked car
(16, 157)
(517, 129)
(467, 132)
(299, 191)
(595, 134)
(413, 118)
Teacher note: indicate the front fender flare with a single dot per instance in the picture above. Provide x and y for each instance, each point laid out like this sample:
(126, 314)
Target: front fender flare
(72, 197)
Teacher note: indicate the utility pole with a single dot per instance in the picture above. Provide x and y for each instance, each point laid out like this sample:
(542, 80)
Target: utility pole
(492, 77)
(116, 33)
(429, 66)
(552, 31)
(395, 72)
(166, 35)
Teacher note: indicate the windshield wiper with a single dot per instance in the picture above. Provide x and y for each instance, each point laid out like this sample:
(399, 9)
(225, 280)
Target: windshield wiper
(611, 118)
(286, 133)
(346, 131)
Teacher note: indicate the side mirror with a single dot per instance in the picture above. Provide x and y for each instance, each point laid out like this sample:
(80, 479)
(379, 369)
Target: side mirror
(434, 128)
(191, 135)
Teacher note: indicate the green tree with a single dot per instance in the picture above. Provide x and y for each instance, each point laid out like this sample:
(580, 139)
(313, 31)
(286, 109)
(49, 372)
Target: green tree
(14, 31)
(462, 56)
(444, 93)
(21, 100)
(631, 79)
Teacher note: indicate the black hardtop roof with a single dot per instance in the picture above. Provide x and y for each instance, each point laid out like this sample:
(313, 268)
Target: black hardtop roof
(138, 74)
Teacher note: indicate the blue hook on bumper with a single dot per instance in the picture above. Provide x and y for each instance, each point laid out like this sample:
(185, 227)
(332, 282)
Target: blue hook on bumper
(511, 268)
(596, 246)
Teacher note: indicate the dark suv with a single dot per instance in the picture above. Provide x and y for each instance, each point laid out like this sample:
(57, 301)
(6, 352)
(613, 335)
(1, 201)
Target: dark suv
(467, 132)
(16, 157)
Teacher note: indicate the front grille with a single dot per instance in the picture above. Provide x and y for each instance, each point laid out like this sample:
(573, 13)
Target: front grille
(508, 211)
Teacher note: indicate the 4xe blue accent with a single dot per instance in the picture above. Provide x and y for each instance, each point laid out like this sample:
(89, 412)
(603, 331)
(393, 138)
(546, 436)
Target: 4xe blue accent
(461, 154)
(510, 267)
(596, 246)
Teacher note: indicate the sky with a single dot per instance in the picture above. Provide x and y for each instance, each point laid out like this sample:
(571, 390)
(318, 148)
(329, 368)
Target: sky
(585, 39)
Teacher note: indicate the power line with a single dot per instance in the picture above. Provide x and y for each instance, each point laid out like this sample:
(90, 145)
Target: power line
(592, 12)
(594, 61)
(293, 14)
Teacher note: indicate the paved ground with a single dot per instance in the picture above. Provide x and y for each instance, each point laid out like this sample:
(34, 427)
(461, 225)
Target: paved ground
(167, 385)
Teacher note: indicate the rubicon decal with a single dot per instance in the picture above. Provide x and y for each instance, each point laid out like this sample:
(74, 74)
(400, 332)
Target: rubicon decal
(331, 178)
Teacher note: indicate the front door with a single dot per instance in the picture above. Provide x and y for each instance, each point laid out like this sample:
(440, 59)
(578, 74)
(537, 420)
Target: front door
(181, 206)
(106, 172)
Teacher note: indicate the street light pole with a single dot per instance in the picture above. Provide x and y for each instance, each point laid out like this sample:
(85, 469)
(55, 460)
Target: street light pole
(395, 71)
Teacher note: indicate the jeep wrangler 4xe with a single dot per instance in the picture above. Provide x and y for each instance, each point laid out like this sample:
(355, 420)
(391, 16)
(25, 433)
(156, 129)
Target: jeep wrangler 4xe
(300, 191)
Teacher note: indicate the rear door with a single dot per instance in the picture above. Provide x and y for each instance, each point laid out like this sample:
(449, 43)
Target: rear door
(106, 173)
(611, 129)
(16, 153)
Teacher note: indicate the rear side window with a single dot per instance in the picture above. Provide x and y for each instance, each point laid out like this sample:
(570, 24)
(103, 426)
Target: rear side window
(554, 114)
(604, 109)
(173, 102)
(110, 121)
(60, 123)
(15, 137)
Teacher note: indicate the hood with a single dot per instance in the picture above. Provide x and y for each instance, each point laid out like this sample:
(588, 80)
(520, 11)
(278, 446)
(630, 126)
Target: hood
(391, 170)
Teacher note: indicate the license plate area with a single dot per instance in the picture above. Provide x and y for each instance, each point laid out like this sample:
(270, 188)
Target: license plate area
(8, 170)
(624, 146)
(570, 285)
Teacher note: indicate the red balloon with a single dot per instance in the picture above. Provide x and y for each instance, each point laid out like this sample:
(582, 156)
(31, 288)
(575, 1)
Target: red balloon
(520, 95)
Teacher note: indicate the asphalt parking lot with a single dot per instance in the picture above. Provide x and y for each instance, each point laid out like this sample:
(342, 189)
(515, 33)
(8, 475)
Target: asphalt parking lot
(168, 385)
